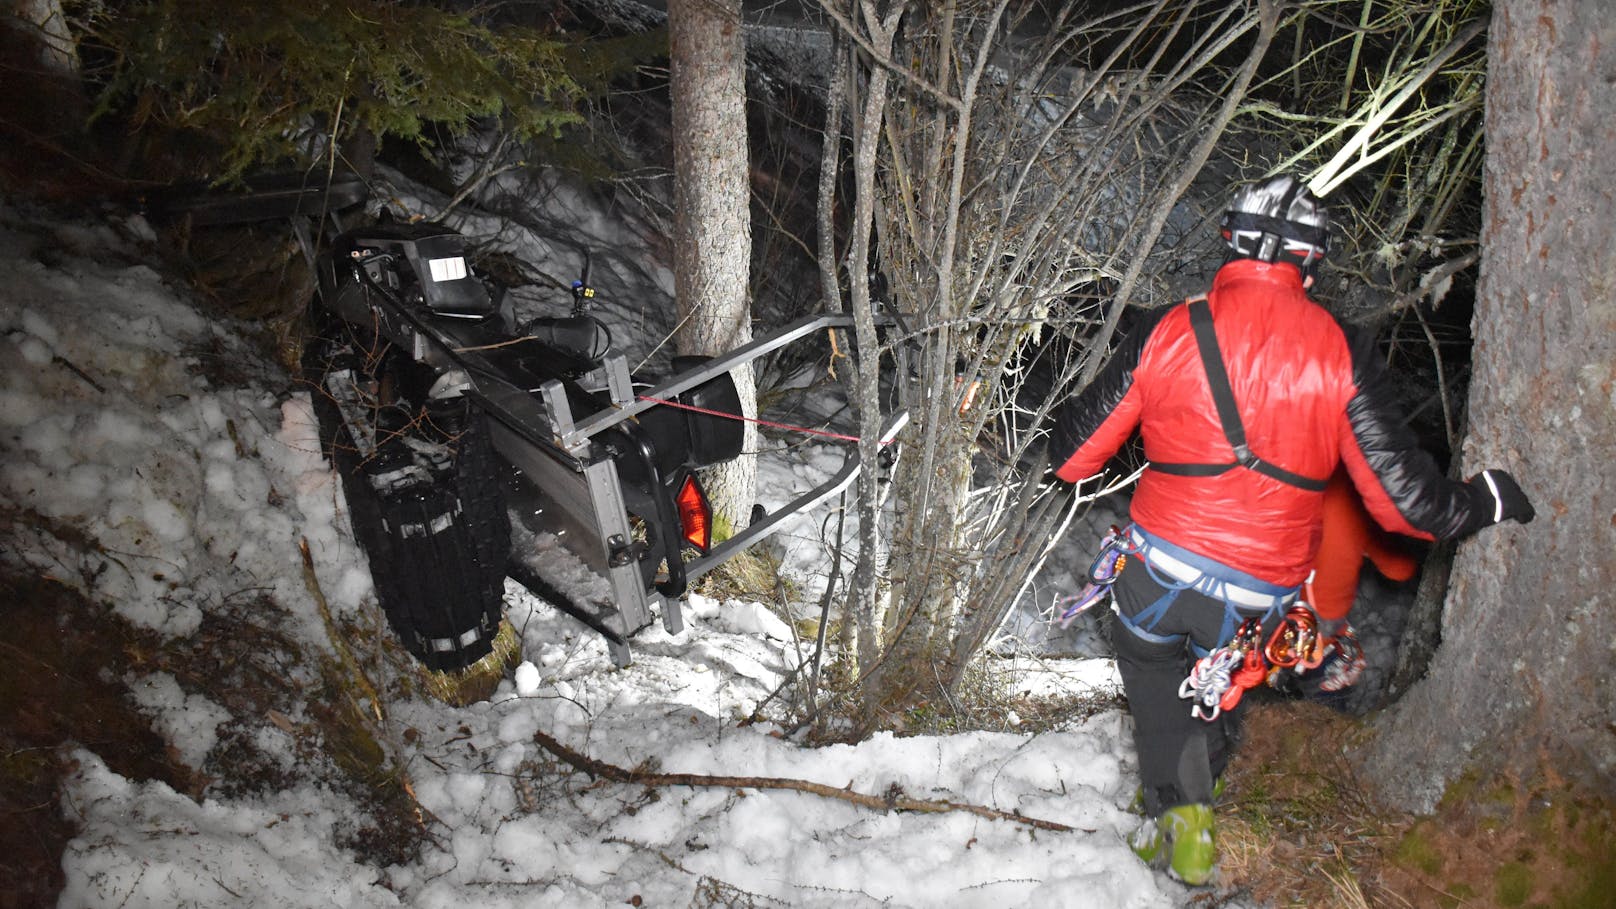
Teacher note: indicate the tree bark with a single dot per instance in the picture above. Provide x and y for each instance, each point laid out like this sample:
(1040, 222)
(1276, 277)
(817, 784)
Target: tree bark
(866, 595)
(46, 96)
(712, 223)
(58, 51)
(1521, 682)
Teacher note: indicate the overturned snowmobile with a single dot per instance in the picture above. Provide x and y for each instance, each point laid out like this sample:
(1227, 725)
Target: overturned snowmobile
(452, 427)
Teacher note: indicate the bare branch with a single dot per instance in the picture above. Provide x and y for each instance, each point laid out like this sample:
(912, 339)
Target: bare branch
(894, 799)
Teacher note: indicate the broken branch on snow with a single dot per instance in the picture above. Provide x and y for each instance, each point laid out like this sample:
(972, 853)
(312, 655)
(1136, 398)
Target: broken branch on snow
(893, 799)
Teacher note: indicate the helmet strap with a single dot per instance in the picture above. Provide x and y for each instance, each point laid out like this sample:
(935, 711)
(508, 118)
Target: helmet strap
(1269, 247)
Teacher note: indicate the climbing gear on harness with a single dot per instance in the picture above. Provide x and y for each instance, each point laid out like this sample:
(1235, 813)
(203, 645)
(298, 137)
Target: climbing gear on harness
(1218, 680)
(1102, 574)
(1228, 414)
(1295, 641)
(1180, 839)
(1344, 661)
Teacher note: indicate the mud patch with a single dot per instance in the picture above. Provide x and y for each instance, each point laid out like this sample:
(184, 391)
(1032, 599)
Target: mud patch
(65, 666)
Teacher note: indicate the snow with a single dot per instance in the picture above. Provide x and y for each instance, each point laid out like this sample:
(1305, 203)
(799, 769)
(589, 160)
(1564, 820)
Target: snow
(194, 491)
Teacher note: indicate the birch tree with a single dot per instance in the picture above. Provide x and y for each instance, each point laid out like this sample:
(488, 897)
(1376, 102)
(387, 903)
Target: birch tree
(1012, 179)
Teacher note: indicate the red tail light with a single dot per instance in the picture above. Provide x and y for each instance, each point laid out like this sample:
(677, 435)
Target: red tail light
(695, 514)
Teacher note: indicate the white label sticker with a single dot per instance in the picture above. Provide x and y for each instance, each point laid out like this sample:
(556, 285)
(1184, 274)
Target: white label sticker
(447, 269)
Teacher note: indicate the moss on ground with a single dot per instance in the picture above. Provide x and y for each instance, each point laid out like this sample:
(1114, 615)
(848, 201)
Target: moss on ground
(1297, 830)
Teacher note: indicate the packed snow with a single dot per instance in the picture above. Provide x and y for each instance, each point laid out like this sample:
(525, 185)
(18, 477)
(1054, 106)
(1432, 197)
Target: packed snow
(194, 487)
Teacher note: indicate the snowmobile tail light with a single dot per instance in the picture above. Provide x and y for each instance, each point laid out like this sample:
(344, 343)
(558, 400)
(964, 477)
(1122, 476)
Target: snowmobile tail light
(695, 514)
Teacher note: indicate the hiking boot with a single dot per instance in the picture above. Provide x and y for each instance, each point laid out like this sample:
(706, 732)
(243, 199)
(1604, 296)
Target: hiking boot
(1137, 804)
(1181, 841)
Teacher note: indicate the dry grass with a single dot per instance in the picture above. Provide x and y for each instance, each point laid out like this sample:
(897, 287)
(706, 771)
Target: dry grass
(1298, 828)
(478, 681)
(750, 575)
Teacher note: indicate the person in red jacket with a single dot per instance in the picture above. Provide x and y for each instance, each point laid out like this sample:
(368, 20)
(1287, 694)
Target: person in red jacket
(1348, 536)
(1246, 401)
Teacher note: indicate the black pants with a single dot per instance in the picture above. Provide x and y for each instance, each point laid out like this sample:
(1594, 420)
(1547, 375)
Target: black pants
(1179, 755)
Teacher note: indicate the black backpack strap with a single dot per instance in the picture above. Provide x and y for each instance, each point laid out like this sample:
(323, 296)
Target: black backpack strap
(1217, 376)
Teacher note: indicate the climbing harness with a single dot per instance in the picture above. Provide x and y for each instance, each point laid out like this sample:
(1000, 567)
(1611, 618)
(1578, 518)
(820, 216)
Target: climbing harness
(1176, 569)
(1221, 677)
(1114, 549)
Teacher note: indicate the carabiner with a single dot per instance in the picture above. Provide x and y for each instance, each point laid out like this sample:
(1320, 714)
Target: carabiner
(1295, 641)
(1111, 559)
(1103, 572)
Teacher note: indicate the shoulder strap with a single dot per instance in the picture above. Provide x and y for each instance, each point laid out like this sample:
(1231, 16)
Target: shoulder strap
(1217, 376)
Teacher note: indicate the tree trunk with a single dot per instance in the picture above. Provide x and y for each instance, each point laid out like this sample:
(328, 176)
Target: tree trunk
(869, 570)
(45, 93)
(1422, 629)
(712, 225)
(58, 51)
(1521, 682)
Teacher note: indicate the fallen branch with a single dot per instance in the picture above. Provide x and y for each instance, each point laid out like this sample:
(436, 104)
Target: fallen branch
(345, 656)
(893, 799)
(354, 674)
(68, 364)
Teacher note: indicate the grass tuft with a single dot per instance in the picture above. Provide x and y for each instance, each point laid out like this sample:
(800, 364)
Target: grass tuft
(478, 681)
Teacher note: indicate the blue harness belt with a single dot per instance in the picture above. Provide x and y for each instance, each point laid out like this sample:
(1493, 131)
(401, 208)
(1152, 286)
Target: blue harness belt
(1177, 569)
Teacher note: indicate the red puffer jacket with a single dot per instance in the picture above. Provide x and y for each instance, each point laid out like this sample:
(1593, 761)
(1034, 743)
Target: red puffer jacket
(1309, 401)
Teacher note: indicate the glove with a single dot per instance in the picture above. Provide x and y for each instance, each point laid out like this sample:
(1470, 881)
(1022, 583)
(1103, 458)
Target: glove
(1509, 502)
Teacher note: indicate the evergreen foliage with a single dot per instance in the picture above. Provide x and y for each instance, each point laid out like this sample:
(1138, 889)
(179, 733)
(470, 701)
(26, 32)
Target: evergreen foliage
(288, 81)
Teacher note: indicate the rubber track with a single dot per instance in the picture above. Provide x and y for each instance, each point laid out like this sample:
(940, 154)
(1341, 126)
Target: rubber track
(431, 585)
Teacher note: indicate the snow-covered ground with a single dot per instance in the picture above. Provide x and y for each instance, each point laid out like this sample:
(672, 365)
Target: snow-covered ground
(193, 483)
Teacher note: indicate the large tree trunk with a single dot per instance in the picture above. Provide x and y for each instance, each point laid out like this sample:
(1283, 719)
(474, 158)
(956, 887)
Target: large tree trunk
(44, 19)
(45, 96)
(1522, 678)
(712, 225)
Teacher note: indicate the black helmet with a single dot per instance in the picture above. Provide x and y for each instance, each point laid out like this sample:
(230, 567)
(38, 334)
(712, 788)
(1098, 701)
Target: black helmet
(1277, 220)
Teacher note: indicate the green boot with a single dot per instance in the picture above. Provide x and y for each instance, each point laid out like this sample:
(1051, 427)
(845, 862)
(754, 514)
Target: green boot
(1181, 840)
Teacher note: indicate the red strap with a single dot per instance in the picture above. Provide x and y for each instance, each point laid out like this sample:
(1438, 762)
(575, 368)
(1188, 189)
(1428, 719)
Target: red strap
(1250, 674)
(745, 419)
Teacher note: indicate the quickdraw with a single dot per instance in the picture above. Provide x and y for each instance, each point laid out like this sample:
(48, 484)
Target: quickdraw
(1219, 679)
(1102, 574)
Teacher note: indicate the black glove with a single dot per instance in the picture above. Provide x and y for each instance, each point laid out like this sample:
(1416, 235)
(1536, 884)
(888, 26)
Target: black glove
(1509, 502)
